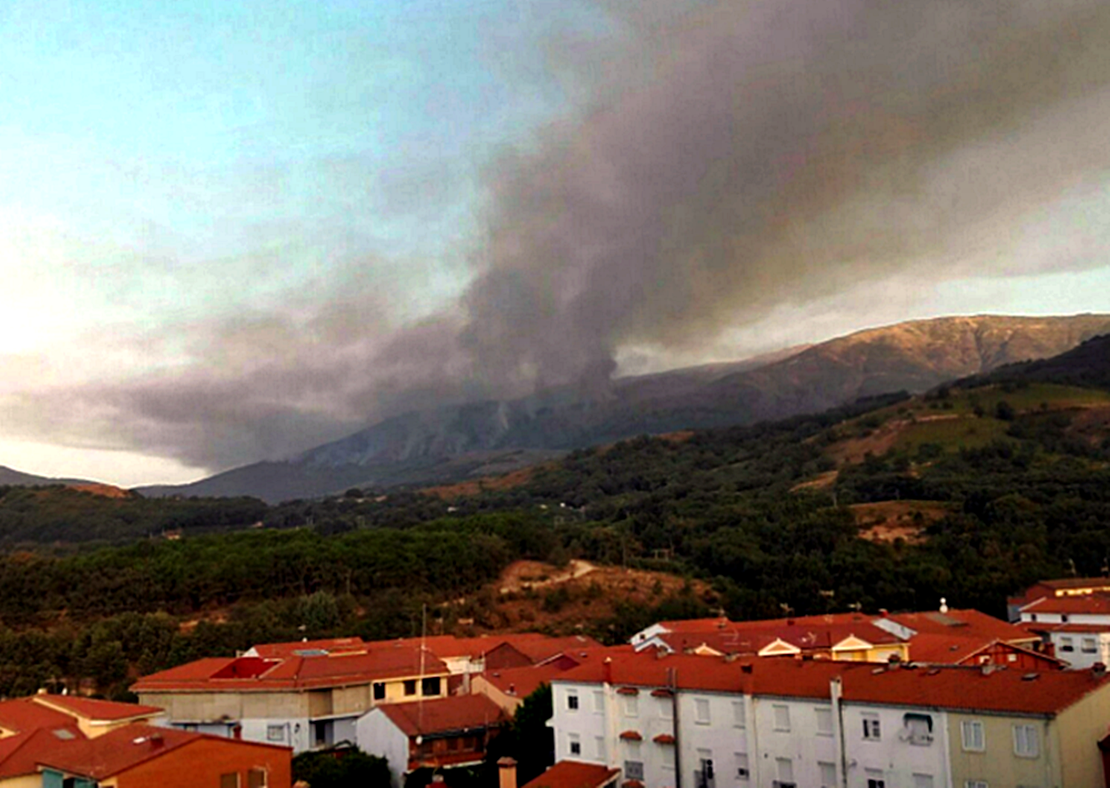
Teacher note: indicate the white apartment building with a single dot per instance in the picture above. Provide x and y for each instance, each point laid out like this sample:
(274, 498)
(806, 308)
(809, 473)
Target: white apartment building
(701, 722)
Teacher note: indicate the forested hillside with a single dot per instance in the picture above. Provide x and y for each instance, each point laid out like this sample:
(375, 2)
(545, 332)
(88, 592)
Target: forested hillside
(992, 487)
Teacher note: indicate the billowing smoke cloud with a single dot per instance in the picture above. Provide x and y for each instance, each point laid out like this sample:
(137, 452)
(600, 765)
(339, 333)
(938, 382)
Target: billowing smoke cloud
(780, 152)
(723, 163)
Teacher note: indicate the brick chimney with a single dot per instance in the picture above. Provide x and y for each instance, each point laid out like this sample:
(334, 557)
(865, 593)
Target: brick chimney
(506, 772)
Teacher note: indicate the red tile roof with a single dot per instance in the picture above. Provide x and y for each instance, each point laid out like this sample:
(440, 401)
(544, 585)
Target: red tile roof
(23, 715)
(961, 623)
(1038, 626)
(958, 688)
(116, 751)
(1076, 582)
(574, 774)
(98, 710)
(20, 754)
(521, 682)
(1089, 603)
(446, 715)
(293, 673)
(295, 648)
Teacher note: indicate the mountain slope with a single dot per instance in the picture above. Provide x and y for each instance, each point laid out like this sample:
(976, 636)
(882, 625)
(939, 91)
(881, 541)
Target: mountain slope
(14, 478)
(474, 439)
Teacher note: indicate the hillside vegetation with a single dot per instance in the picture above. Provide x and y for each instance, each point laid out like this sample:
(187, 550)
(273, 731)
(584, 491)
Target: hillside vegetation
(773, 517)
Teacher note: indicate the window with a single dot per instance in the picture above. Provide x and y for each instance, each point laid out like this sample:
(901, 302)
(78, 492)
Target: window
(320, 733)
(599, 748)
(256, 778)
(430, 686)
(1067, 644)
(742, 772)
(784, 768)
(824, 722)
(971, 732)
(701, 711)
(828, 774)
(923, 781)
(599, 702)
(704, 777)
(738, 717)
(782, 717)
(631, 705)
(1089, 646)
(275, 733)
(976, 784)
(410, 687)
(574, 744)
(634, 770)
(875, 779)
(572, 701)
(379, 690)
(230, 780)
(1026, 742)
(871, 729)
(666, 708)
(918, 729)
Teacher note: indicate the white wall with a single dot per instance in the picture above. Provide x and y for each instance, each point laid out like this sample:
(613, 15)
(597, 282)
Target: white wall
(296, 732)
(800, 742)
(377, 735)
(893, 753)
(1078, 657)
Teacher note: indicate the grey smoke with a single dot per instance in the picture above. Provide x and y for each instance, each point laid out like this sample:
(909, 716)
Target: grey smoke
(720, 164)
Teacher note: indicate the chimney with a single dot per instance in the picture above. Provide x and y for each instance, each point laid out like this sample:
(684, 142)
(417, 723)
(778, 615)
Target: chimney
(1098, 670)
(943, 605)
(884, 612)
(607, 670)
(506, 771)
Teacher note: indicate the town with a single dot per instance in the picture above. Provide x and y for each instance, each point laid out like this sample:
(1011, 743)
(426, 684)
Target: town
(928, 699)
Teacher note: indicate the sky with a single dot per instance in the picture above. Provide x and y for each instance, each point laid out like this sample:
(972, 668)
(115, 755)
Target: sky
(230, 231)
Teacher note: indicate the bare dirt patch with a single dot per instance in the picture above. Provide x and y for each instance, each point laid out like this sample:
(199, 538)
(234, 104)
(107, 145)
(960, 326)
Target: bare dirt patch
(531, 595)
(820, 482)
(472, 487)
(886, 521)
(103, 490)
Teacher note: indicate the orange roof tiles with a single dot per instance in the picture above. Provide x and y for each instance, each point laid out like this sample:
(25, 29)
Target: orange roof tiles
(961, 623)
(331, 645)
(446, 715)
(1091, 603)
(295, 672)
(93, 709)
(954, 687)
(574, 774)
(521, 682)
(116, 751)
(23, 715)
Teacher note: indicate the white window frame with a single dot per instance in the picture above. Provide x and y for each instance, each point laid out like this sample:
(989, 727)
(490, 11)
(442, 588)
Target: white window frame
(630, 705)
(739, 713)
(702, 715)
(599, 701)
(977, 742)
(872, 727)
(573, 703)
(1089, 645)
(823, 714)
(781, 725)
(921, 780)
(822, 768)
(275, 733)
(975, 784)
(1027, 741)
(743, 767)
(574, 741)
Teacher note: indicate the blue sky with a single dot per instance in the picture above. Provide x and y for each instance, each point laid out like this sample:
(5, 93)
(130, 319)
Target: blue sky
(204, 195)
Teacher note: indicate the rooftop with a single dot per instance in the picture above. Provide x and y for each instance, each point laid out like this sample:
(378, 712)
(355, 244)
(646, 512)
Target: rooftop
(574, 774)
(1096, 604)
(998, 689)
(293, 673)
(446, 715)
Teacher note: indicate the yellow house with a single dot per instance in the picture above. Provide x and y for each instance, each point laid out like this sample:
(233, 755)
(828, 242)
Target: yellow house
(1059, 746)
(25, 722)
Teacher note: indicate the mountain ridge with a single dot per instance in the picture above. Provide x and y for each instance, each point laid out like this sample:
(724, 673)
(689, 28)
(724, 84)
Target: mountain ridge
(452, 442)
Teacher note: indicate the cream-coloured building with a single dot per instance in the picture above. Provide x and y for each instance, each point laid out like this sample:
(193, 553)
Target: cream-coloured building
(304, 698)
